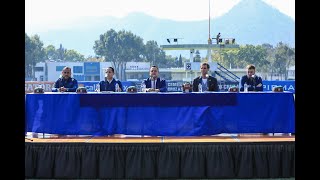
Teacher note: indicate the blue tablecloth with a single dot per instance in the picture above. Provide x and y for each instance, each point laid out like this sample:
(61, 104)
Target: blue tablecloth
(160, 114)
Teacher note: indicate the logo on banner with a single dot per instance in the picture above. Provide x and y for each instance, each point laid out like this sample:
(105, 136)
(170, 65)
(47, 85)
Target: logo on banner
(188, 66)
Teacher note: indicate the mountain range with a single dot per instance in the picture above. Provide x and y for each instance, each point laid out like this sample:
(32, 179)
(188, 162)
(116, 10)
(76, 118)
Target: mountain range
(249, 22)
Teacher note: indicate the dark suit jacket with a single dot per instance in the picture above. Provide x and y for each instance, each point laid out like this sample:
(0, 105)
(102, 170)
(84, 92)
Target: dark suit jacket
(212, 84)
(161, 84)
(252, 83)
(71, 84)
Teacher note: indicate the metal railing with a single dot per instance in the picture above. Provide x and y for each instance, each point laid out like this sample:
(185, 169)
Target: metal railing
(226, 74)
(225, 40)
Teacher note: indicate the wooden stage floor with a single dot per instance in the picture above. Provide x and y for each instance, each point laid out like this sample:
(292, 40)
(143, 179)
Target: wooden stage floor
(162, 139)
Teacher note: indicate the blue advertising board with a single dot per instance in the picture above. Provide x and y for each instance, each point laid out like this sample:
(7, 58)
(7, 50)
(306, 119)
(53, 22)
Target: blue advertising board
(287, 85)
(91, 68)
(91, 85)
(176, 86)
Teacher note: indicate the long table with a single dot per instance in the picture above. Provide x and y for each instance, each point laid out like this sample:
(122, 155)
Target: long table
(160, 114)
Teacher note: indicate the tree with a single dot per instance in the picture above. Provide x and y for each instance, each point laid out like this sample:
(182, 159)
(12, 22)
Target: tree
(155, 55)
(251, 54)
(34, 53)
(268, 69)
(230, 58)
(180, 64)
(73, 56)
(284, 58)
(61, 53)
(27, 56)
(95, 59)
(197, 58)
(119, 48)
(168, 61)
(151, 51)
(51, 52)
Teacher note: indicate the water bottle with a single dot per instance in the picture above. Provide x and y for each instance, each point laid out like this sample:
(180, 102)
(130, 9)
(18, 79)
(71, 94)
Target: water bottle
(143, 87)
(98, 87)
(117, 87)
(200, 87)
(245, 87)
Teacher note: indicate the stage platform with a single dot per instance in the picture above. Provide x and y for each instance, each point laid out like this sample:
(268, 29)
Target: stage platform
(47, 138)
(223, 156)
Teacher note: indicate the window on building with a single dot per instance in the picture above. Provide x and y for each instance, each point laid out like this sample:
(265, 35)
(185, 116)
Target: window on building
(41, 78)
(87, 78)
(96, 78)
(59, 68)
(79, 77)
(77, 69)
(39, 69)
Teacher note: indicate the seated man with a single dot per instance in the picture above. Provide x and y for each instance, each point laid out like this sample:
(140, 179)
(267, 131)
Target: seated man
(65, 83)
(154, 83)
(253, 81)
(209, 83)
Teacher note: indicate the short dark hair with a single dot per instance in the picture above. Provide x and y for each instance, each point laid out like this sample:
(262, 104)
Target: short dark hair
(111, 69)
(208, 66)
(154, 67)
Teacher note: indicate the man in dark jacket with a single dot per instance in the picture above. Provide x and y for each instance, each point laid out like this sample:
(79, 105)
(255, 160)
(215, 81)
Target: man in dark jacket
(154, 83)
(208, 83)
(253, 81)
(65, 83)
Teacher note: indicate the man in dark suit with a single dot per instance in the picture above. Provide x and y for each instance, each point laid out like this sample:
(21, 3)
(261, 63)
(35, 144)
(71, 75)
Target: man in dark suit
(253, 81)
(208, 83)
(154, 83)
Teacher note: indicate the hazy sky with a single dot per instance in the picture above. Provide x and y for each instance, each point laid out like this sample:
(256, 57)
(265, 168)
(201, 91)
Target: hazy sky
(43, 15)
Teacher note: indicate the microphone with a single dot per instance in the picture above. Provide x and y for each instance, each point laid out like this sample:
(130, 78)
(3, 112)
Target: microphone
(253, 80)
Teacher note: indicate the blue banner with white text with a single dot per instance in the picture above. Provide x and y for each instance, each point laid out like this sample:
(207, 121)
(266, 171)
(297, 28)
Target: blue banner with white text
(176, 86)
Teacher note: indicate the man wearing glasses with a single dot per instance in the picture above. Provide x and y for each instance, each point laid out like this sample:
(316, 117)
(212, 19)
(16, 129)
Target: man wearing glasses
(65, 83)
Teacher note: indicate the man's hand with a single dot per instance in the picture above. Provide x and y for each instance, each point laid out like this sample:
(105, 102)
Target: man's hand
(149, 90)
(152, 90)
(62, 89)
